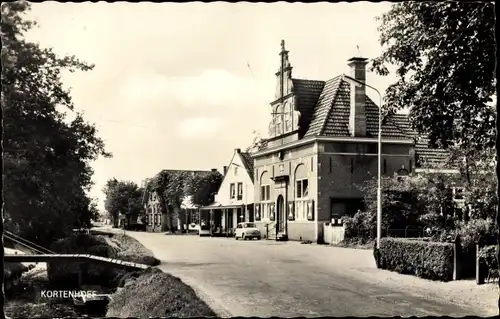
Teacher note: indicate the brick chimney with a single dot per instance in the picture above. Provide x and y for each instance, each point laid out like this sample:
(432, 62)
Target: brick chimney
(237, 150)
(214, 170)
(357, 118)
(225, 170)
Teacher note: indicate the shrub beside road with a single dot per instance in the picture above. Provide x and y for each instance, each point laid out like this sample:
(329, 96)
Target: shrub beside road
(424, 259)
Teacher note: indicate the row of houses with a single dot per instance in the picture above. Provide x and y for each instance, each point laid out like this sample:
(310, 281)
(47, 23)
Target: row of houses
(322, 142)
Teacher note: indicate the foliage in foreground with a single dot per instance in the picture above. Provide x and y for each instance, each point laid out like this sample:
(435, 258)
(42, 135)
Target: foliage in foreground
(167, 296)
(46, 155)
(445, 58)
(425, 259)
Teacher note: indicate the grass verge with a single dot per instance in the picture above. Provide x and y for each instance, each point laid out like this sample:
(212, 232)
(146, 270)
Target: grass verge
(133, 251)
(157, 294)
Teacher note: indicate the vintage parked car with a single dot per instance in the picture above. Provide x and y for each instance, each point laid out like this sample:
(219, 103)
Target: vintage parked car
(247, 230)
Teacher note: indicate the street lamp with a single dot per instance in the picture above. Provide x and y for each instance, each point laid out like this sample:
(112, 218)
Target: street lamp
(379, 177)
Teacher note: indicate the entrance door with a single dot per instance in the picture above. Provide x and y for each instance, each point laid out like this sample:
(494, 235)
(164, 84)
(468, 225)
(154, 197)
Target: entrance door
(280, 214)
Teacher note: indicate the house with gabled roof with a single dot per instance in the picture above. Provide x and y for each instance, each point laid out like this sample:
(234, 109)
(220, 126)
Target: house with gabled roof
(234, 200)
(323, 141)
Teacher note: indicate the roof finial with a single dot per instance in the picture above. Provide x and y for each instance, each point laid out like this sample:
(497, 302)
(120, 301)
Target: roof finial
(282, 45)
(359, 53)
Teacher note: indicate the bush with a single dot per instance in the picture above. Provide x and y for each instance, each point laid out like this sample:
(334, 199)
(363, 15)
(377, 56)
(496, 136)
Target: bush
(430, 260)
(167, 296)
(470, 232)
(359, 226)
(488, 255)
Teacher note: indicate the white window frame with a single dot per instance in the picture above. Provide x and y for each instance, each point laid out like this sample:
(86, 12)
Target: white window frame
(265, 193)
(239, 191)
(303, 194)
(232, 190)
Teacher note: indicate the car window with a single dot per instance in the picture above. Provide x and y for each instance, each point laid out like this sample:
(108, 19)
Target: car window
(239, 226)
(250, 225)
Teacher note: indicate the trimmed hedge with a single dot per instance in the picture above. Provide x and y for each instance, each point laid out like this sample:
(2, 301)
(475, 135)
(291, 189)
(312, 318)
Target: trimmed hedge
(429, 260)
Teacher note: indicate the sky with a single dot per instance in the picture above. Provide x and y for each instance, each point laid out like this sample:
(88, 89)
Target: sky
(180, 86)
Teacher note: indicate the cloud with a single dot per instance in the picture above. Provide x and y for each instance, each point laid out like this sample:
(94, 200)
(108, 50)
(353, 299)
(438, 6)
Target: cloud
(198, 128)
(210, 88)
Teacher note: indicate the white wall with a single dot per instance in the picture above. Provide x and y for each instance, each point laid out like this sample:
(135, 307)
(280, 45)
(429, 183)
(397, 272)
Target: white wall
(240, 176)
(333, 234)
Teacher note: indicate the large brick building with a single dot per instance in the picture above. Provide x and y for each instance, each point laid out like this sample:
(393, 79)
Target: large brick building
(322, 142)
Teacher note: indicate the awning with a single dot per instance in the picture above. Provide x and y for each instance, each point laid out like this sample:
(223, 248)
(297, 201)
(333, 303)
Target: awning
(220, 206)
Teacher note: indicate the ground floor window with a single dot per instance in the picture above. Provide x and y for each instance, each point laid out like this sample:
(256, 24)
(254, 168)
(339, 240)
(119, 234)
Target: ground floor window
(345, 207)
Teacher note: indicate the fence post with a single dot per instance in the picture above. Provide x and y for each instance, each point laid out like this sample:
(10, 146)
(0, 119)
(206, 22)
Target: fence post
(457, 256)
(479, 273)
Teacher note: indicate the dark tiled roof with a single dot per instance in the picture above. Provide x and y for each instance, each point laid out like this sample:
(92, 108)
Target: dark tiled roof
(333, 110)
(248, 163)
(425, 155)
(307, 92)
(325, 111)
(323, 107)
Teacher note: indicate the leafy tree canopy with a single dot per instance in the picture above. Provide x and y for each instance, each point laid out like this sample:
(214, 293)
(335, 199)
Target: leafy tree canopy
(445, 57)
(257, 143)
(173, 186)
(46, 157)
(123, 197)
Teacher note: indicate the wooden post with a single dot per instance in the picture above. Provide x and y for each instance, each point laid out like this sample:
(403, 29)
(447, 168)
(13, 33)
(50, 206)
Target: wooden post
(479, 273)
(210, 222)
(457, 256)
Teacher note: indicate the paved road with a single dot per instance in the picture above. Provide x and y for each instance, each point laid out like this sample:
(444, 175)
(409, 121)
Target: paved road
(267, 278)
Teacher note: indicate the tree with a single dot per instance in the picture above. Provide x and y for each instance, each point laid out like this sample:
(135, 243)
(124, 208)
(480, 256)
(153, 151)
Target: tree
(203, 186)
(47, 157)
(445, 58)
(415, 200)
(445, 54)
(256, 144)
(123, 197)
(173, 186)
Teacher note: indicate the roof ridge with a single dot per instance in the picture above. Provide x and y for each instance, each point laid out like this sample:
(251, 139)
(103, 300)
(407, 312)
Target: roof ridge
(297, 79)
(332, 106)
(246, 163)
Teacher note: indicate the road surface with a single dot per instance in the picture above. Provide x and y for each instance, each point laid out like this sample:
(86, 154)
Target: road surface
(288, 279)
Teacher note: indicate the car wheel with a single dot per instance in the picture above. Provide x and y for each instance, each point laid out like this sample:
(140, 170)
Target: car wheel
(243, 237)
(235, 237)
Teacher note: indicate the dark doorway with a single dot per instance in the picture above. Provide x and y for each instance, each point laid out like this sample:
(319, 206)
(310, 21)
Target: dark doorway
(280, 214)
